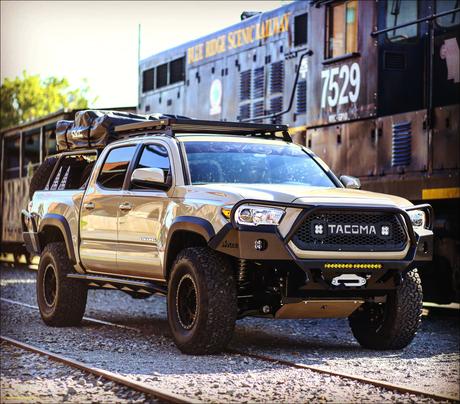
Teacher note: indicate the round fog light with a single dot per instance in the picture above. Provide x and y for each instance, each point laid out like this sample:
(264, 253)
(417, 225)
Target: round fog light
(260, 244)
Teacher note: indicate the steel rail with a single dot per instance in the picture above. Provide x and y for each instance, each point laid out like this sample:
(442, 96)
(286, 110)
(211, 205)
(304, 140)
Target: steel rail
(161, 394)
(377, 383)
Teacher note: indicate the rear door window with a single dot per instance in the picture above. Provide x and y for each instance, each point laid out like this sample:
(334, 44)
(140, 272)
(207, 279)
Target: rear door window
(113, 172)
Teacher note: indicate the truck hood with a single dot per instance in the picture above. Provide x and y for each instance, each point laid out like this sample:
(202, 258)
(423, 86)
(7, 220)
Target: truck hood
(302, 194)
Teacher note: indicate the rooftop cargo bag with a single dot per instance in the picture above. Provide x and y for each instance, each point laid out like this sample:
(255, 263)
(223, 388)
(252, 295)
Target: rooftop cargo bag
(95, 128)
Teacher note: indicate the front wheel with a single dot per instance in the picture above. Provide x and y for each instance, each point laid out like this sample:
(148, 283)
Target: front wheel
(61, 300)
(202, 302)
(393, 324)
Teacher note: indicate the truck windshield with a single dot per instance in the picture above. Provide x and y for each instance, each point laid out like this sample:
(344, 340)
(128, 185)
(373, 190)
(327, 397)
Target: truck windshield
(253, 163)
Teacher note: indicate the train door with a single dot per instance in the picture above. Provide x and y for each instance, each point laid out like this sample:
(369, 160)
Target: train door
(446, 86)
(401, 55)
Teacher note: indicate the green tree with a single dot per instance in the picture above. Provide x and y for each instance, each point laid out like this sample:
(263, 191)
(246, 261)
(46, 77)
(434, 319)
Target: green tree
(30, 97)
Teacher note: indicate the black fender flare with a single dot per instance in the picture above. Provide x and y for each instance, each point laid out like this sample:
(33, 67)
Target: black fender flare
(60, 222)
(191, 224)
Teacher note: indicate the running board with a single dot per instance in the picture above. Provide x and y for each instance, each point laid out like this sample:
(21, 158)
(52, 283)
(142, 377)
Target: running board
(123, 284)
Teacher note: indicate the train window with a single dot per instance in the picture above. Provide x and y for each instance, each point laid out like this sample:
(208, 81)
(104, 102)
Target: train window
(147, 80)
(300, 29)
(162, 75)
(177, 70)
(73, 172)
(31, 153)
(401, 12)
(11, 155)
(50, 142)
(342, 29)
(448, 20)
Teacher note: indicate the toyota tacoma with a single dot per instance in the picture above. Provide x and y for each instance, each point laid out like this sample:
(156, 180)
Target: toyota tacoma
(227, 220)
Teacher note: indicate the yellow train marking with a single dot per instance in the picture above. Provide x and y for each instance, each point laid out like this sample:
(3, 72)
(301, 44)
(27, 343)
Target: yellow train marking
(441, 193)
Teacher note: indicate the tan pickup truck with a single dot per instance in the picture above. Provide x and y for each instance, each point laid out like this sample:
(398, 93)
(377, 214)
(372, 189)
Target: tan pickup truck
(227, 220)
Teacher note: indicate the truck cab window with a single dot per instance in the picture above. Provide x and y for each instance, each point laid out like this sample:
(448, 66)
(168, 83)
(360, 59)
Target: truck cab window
(342, 29)
(401, 12)
(116, 164)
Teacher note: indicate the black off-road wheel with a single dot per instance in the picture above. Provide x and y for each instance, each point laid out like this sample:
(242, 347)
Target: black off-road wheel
(202, 302)
(61, 300)
(42, 175)
(393, 324)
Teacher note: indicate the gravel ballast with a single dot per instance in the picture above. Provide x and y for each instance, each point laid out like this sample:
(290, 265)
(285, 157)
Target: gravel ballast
(30, 378)
(150, 355)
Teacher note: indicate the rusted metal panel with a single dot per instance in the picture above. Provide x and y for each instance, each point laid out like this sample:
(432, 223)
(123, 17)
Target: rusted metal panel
(402, 143)
(446, 137)
(347, 148)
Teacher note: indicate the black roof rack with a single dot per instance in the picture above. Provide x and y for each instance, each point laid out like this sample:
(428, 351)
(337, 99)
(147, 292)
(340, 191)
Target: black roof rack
(171, 126)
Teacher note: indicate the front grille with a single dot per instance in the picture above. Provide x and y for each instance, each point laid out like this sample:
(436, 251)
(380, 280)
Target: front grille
(351, 231)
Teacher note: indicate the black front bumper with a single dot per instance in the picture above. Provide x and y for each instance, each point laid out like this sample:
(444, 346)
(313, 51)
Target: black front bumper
(242, 242)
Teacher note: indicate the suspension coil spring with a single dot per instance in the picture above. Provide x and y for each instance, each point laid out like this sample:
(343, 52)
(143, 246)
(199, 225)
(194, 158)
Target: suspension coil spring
(243, 273)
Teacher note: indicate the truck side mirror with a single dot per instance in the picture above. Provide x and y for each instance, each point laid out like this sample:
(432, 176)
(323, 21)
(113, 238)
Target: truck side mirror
(350, 182)
(150, 178)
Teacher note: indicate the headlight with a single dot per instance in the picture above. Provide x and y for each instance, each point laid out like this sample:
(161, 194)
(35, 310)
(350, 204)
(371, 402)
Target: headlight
(258, 215)
(417, 217)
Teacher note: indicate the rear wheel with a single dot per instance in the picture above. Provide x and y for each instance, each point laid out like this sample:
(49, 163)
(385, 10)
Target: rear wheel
(61, 300)
(202, 303)
(393, 324)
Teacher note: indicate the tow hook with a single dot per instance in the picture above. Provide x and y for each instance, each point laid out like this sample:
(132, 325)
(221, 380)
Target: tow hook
(349, 280)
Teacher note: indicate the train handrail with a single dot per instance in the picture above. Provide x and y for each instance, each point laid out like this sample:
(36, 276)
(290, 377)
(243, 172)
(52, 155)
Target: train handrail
(419, 20)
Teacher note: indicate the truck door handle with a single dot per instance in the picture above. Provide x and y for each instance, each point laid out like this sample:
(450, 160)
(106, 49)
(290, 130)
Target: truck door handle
(125, 206)
(88, 206)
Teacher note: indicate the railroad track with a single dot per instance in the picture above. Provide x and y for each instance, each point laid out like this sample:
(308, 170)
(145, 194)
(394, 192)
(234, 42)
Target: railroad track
(377, 383)
(160, 394)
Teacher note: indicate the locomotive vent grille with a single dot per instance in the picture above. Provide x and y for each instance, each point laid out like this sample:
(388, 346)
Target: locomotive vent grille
(351, 231)
(245, 85)
(394, 60)
(245, 112)
(301, 105)
(258, 109)
(277, 77)
(276, 105)
(401, 144)
(259, 82)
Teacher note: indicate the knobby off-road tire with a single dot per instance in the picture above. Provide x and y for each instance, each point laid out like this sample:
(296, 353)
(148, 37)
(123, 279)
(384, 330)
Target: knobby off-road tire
(202, 301)
(41, 175)
(391, 325)
(61, 300)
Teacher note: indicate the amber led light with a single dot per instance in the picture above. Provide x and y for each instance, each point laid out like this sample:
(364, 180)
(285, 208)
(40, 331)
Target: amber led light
(353, 266)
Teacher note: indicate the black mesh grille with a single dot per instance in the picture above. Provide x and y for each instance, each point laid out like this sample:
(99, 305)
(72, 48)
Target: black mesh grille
(358, 231)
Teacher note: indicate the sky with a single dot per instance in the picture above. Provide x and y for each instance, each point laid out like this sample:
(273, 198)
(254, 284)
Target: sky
(98, 40)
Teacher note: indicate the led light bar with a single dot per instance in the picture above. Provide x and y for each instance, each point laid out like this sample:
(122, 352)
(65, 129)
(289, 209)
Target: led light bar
(352, 266)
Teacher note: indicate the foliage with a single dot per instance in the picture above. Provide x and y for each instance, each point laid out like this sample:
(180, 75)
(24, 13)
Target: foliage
(31, 97)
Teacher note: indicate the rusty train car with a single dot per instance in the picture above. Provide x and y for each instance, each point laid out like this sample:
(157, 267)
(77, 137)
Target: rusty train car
(372, 87)
(22, 149)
